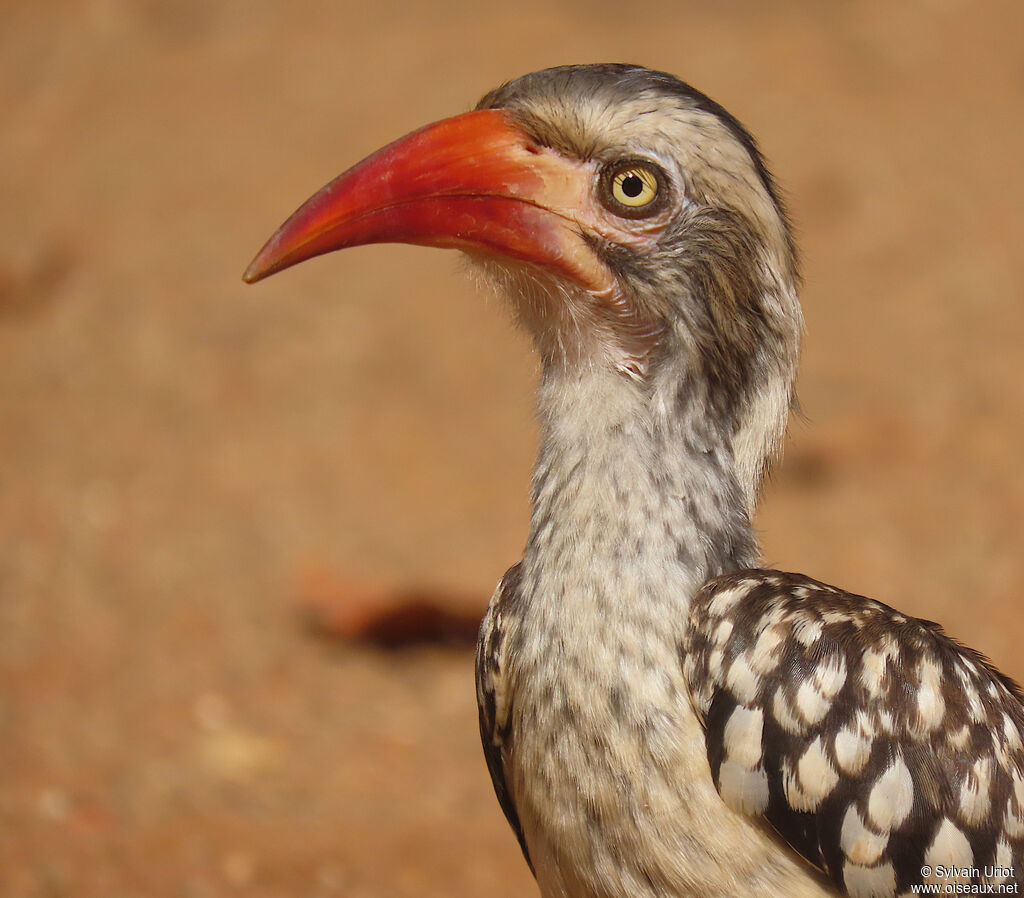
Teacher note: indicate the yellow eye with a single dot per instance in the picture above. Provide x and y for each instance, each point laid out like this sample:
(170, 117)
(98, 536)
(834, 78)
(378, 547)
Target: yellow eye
(634, 186)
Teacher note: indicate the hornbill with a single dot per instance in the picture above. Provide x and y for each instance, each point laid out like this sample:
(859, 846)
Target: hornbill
(659, 716)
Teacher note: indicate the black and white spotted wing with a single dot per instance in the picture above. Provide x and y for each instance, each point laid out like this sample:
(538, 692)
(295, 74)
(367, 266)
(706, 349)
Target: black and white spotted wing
(492, 697)
(874, 744)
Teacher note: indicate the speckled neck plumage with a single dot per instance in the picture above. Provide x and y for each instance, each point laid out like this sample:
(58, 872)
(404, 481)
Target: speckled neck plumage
(637, 475)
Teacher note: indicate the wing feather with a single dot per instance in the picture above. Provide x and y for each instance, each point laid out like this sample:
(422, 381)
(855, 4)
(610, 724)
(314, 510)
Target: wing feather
(875, 745)
(492, 697)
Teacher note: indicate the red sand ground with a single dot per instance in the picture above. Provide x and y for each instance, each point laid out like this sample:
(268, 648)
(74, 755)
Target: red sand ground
(180, 453)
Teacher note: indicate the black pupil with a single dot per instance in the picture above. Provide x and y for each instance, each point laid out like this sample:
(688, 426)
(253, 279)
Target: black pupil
(632, 185)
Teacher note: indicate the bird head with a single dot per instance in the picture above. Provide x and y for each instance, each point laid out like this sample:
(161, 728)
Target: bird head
(630, 219)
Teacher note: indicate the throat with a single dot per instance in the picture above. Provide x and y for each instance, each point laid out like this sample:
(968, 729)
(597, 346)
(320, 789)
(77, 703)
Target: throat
(637, 499)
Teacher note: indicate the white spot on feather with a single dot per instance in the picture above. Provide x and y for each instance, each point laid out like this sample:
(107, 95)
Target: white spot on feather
(807, 630)
(830, 675)
(742, 681)
(817, 775)
(742, 736)
(852, 750)
(865, 726)
(975, 795)
(791, 788)
(888, 645)
(965, 676)
(892, 797)
(782, 711)
(765, 656)
(950, 848)
(742, 789)
(715, 663)
(811, 703)
(1014, 824)
(960, 738)
(869, 882)
(725, 598)
(871, 672)
(931, 707)
(861, 845)
(1004, 860)
(1010, 731)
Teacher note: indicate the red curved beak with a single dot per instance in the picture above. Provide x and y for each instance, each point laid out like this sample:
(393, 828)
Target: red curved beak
(475, 182)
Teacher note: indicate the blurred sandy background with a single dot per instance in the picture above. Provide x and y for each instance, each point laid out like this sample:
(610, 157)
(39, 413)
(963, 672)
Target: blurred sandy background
(178, 452)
